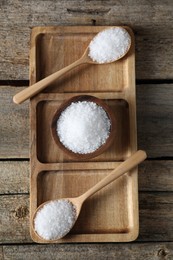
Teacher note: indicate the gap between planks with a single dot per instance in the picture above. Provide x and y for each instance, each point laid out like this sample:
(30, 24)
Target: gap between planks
(25, 83)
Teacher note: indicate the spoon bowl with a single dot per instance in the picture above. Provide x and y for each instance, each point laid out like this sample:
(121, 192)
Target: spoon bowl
(87, 59)
(77, 202)
(73, 202)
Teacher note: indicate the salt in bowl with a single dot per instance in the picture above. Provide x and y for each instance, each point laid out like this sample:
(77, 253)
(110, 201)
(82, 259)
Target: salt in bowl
(103, 147)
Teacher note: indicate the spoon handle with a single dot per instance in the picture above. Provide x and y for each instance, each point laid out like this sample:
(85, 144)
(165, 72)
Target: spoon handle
(124, 167)
(42, 84)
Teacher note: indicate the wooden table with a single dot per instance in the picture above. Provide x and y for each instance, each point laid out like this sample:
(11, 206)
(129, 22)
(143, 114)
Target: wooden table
(152, 22)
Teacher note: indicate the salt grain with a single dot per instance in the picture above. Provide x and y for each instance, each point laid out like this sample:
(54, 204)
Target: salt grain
(109, 45)
(55, 219)
(83, 127)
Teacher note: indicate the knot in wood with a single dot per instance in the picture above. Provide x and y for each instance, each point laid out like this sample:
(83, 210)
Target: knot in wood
(162, 253)
(21, 212)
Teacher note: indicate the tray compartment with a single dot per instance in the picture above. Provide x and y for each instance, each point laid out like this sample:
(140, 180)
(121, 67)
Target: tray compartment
(49, 152)
(68, 48)
(103, 212)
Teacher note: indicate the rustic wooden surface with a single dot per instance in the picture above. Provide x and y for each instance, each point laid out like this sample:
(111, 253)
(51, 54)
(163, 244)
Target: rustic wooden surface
(152, 22)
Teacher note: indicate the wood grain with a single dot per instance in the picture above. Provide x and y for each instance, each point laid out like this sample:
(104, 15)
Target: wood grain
(14, 212)
(14, 177)
(155, 214)
(155, 208)
(154, 117)
(142, 251)
(14, 127)
(156, 175)
(151, 21)
(153, 176)
(154, 120)
(1, 253)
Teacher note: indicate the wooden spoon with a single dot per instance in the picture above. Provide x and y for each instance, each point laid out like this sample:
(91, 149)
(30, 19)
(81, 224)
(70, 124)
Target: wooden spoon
(77, 202)
(42, 84)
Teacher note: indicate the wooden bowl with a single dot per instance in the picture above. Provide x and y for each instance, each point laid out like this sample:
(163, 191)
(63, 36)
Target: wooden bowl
(102, 148)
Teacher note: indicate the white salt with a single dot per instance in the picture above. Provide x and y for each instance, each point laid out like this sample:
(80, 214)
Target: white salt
(83, 127)
(55, 219)
(109, 45)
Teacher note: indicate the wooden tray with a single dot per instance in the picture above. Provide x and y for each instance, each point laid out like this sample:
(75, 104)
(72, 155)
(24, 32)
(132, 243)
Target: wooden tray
(111, 215)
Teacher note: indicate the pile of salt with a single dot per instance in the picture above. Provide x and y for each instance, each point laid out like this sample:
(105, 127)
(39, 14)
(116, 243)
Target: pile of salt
(83, 127)
(55, 219)
(109, 45)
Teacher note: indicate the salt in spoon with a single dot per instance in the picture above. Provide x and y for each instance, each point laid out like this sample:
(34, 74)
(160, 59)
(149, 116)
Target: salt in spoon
(77, 202)
(42, 84)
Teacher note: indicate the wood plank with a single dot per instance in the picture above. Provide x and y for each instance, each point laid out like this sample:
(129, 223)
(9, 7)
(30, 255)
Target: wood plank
(156, 175)
(155, 215)
(153, 176)
(153, 29)
(14, 128)
(156, 211)
(133, 251)
(1, 253)
(14, 177)
(14, 212)
(154, 119)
